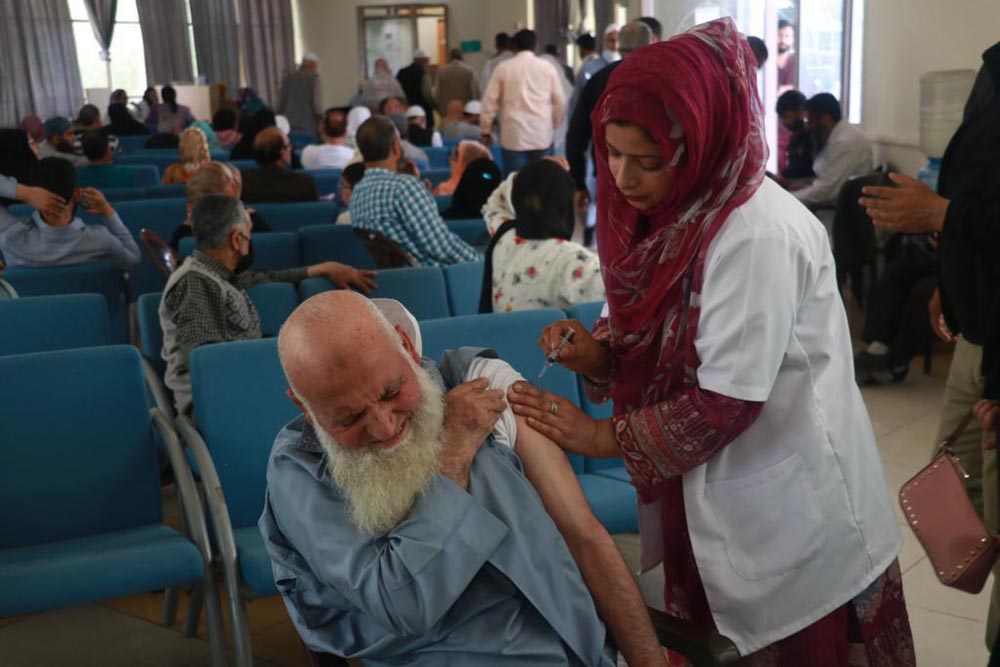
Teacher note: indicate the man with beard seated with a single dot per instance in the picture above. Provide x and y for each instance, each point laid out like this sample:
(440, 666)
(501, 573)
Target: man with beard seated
(403, 528)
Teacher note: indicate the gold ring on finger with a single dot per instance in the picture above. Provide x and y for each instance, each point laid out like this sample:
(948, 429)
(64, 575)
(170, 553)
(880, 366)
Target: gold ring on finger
(553, 407)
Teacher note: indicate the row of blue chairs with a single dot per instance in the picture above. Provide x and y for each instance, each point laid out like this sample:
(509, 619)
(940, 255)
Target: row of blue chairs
(238, 391)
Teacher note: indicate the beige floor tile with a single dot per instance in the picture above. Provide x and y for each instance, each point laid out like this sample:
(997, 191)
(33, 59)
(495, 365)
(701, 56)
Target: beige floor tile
(911, 553)
(922, 589)
(281, 645)
(912, 443)
(947, 641)
(896, 474)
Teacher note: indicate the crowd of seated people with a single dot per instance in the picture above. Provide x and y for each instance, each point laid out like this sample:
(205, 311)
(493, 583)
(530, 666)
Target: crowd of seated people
(406, 473)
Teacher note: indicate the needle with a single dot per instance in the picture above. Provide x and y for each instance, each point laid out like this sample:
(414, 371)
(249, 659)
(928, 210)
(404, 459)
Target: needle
(553, 356)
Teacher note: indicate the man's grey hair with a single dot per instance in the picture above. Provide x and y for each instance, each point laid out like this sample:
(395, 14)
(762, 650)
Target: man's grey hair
(213, 219)
(634, 35)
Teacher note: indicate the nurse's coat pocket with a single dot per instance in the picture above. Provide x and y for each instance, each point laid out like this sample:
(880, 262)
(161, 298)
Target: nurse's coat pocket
(770, 520)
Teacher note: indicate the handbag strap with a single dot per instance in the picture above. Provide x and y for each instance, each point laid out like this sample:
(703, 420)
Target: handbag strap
(957, 433)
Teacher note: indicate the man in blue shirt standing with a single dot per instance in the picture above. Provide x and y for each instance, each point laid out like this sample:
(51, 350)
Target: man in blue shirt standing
(399, 206)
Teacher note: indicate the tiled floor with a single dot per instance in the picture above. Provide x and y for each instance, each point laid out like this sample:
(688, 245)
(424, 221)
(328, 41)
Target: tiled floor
(948, 625)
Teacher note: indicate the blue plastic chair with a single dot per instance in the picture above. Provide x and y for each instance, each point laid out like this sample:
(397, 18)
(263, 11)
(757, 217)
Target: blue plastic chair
(114, 195)
(301, 139)
(420, 289)
(92, 278)
(80, 489)
(239, 398)
(145, 170)
(327, 180)
(289, 217)
(172, 191)
(437, 155)
(435, 176)
(443, 202)
(244, 164)
(338, 243)
(274, 303)
(463, 282)
(472, 231)
(159, 215)
(151, 346)
(132, 143)
(58, 322)
(272, 251)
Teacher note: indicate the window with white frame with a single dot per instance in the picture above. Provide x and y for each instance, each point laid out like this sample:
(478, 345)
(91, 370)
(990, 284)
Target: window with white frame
(127, 67)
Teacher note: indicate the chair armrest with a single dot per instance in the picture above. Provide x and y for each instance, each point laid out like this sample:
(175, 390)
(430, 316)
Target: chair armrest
(157, 389)
(703, 648)
(214, 497)
(187, 490)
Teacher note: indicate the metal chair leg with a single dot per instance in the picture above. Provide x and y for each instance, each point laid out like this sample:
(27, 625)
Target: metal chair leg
(194, 611)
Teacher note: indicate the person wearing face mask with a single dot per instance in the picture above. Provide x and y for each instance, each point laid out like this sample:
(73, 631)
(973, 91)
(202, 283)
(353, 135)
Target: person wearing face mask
(842, 151)
(205, 300)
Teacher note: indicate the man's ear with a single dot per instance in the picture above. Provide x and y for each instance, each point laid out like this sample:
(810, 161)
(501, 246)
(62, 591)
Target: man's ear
(300, 405)
(408, 345)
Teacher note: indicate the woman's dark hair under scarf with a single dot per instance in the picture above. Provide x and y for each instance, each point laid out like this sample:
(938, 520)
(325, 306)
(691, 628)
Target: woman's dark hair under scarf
(542, 198)
(122, 123)
(17, 160)
(480, 179)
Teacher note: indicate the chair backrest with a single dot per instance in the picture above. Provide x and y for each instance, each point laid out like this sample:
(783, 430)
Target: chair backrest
(437, 156)
(161, 216)
(443, 202)
(289, 217)
(274, 303)
(310, 287)
(853, 232)
(59, 322)
(436, 176)
(272, 251)
(338, 243)
(150, 332)
(77, 456)
(146, 170)
(327, 180)
(514, 337)
(421, 289)
(301, 139)
(91, 278)
(472, 231)
(162, 256)
(172, 191)
(239, 396)
(123, 194)
(463, 282)
(132, 143)
(386, 253)
(156, 158)
(587, 314)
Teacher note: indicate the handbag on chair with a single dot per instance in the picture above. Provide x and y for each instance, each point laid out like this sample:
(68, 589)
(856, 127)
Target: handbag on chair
(942, 517)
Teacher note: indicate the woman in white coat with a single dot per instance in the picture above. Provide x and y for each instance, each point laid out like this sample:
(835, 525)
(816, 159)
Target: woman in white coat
(726, 350)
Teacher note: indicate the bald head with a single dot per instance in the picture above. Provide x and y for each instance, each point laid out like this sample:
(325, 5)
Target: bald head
(323, 335)
(271, 146)
(634, 35)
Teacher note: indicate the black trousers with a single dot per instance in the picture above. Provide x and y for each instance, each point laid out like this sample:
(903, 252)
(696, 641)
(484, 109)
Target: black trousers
(896, 313)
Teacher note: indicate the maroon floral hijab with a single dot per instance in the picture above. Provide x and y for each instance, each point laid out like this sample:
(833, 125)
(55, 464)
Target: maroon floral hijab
(696, 95)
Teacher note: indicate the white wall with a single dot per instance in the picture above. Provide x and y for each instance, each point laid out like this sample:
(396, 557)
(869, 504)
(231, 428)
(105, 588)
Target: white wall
(903, 40)
(331, 30)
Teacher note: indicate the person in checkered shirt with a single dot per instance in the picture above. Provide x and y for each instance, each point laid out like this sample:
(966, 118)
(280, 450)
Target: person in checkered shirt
(400, 206)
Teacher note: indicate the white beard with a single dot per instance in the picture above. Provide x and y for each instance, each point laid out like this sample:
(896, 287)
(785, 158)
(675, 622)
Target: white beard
(381, 487)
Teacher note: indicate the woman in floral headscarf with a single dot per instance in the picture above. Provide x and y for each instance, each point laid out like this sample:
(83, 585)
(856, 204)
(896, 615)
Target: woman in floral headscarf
(727, 353)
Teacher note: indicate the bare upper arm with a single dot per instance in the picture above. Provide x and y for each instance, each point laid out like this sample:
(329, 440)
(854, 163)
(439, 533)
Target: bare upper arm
(550, 472)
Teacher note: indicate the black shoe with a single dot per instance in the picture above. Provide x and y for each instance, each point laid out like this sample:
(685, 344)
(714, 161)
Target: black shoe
(872, 368)
(899, 372)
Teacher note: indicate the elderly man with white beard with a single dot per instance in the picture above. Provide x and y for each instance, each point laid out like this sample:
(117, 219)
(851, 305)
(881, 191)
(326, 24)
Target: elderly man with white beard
(404, 529)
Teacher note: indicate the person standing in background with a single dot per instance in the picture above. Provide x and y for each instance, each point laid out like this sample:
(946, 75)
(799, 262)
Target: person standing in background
(502, 44)
(301, 96)
(525, 94)
(416, 84)
(455, 81)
